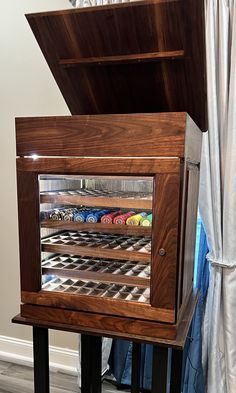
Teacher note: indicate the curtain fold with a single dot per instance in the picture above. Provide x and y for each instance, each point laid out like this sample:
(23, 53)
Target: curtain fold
(218, 198)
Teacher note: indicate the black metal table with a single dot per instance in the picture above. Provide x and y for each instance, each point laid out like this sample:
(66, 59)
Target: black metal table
(166, 366)
(167, 359)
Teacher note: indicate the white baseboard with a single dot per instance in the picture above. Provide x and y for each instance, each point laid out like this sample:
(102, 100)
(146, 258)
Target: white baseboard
(19, 351)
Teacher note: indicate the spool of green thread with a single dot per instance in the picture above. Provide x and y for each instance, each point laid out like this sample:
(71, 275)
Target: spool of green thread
(146, 221)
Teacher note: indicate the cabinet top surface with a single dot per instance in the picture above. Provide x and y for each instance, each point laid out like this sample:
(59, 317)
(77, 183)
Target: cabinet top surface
(146, 56)
(132, 135)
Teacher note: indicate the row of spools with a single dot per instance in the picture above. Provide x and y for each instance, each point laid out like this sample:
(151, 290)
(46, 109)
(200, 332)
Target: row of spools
(104, 216)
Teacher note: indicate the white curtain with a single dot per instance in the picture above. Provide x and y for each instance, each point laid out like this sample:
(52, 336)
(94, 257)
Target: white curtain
(218, 197)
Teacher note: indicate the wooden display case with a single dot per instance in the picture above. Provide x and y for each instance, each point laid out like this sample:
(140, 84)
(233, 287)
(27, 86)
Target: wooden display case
(140, 277)
(129, 73)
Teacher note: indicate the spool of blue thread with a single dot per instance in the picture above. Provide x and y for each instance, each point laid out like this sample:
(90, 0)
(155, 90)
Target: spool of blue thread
(96, 216)
(81, 215)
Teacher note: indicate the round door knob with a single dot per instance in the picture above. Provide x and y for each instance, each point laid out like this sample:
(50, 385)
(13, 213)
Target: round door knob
(162, 252)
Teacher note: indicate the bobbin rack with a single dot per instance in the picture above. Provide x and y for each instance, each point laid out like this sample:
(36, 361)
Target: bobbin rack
(131, 151)
(103, 259)
(122, 268)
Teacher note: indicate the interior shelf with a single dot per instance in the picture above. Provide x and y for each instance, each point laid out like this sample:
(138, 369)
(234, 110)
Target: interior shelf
(98, 227)
(97, 289)
(100, 245)
(105, 270)
(125, 200)
(123, 59)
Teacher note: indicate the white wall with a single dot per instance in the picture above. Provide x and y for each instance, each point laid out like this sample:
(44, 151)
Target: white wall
(27, 88)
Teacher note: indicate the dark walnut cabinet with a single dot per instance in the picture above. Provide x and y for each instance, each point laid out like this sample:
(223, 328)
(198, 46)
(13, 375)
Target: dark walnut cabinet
(133, 77)
(112, 276)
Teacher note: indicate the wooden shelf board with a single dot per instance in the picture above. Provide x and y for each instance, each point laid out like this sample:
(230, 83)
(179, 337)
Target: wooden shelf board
(104, 305)
(98, 227)
(96, 276)
(123, 59)
(124, 203)
(97, 252)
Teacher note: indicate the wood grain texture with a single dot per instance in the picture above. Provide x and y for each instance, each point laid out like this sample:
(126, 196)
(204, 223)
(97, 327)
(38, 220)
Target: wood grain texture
(98, 305)
(165, 236)
(133, 135)
(99, 227)
(182, 230)
(29, 230)
(190, 233)
(97, 252)
(140, 57)
(90, 322)
(195, 65)
(132, 29)
(123, 203)
(181, 329)
(193, 142)
(30, 320)
(94, 276)
(111, 165)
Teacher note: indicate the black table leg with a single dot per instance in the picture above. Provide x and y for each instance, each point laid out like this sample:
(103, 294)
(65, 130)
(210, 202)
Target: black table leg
(96, 364)
(91, 357)
(135, 377)
(159, 369)
(85, 364)
(41, 360)
(176, 371)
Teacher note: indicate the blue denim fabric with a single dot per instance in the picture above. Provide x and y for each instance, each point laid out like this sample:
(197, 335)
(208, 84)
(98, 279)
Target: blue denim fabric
(121, 361)
(193, 376)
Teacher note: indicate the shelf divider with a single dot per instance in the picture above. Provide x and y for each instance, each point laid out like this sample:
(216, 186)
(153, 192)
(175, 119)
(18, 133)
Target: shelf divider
(101, 277)
(123, 59)
(125, 203)
(98, 227)
(97, 252)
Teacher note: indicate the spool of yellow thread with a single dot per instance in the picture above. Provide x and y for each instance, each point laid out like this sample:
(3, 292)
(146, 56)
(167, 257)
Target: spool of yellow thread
(135, 220)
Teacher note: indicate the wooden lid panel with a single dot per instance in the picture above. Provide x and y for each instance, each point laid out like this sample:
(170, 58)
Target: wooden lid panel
(147, 56)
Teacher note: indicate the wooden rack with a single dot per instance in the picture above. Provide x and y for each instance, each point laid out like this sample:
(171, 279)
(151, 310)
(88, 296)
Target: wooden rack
(97, 289)
(102, 270)
(98, 227)
(99, 245)
(101, 200)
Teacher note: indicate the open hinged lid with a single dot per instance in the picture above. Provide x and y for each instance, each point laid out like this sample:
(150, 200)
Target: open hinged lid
(146, 56)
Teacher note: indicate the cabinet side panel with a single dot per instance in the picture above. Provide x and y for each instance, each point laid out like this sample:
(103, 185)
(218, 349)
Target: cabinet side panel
(165, 236)
(182, 230)
(29, 232)
(190, 233)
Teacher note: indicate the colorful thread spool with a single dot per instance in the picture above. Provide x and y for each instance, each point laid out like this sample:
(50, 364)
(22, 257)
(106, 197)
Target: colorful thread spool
(69, 214)
(135, 220)
(81, 215)
(121, 220)
(56, 214)
(146, 221)
(108, 218)
(96, 216)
